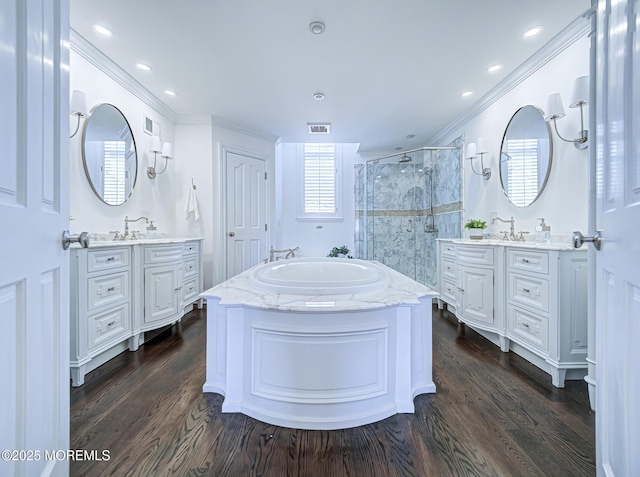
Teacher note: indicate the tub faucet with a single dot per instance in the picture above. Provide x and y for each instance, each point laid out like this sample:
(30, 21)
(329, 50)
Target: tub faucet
(511, 222)
(126, 225)
(291, 253)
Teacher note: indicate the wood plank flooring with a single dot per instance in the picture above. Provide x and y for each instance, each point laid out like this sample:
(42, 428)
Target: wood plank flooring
(494, 414)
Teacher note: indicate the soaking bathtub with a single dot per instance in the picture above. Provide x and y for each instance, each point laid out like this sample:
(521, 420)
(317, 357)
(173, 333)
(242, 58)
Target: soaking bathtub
(319, 343)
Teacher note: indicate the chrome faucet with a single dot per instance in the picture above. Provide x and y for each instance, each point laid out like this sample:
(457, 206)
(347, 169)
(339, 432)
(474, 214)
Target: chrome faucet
(126, 226)
(291, 253)
(512, 233)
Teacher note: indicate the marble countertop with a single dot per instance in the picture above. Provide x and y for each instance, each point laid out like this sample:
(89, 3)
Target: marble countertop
(560, 246)
(93, 243)
(242, 291)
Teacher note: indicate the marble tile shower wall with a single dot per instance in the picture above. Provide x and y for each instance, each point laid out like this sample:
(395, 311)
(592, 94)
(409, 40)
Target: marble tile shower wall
(394, 221)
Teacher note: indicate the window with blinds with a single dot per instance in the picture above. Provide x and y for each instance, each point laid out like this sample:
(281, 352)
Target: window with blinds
(114, 172)
(319, 180)
(522, 168)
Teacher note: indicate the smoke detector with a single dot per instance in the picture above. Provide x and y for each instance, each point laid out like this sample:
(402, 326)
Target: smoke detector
(319, 128)
(317, 28)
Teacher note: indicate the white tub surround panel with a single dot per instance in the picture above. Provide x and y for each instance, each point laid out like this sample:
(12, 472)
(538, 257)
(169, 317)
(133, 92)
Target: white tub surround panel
(119, 290)
(531, 296)
(304, 350)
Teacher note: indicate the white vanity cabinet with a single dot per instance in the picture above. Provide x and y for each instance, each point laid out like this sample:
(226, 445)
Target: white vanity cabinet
(119, 291)
(532, 299)
(467, 277)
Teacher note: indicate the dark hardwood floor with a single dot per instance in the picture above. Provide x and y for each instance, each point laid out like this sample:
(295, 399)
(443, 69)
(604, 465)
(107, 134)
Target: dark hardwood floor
(493, 414)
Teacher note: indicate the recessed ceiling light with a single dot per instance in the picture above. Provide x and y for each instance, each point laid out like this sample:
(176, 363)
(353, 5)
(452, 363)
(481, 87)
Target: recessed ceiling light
(493, 68)
(169, 92)
(143, 67)
(317, 28)
(533, 31)
(410, 136)
(318, 96)
(466, 94)
(103, 30)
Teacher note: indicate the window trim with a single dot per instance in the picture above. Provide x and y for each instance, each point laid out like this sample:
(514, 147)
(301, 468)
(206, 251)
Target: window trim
(301, 215)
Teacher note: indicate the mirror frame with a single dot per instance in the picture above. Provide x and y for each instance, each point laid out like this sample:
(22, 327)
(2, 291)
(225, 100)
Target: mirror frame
(546, 177)
(84, 155)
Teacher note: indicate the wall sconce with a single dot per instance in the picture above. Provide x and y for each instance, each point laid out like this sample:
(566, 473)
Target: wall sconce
(165, 150)
(473, 151)
(78, 107)
(579, 98)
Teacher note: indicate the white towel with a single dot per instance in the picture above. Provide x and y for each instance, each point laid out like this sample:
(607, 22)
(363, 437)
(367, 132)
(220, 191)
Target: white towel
(192, 205)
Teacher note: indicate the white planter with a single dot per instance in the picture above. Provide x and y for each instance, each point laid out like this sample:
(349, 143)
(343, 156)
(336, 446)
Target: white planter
(475, 234)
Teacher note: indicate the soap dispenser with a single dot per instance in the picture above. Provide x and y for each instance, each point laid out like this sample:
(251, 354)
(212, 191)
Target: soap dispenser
(543, 231)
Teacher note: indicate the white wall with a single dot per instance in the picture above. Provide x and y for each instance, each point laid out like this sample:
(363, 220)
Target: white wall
(313, 241)
(194, 161)
(152, 198)
(563, 203)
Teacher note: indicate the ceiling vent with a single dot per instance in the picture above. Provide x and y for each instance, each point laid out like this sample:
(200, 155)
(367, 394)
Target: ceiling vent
(319, 128)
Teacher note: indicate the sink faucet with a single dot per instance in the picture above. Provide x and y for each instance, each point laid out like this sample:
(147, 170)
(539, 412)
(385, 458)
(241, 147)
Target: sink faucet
(126, 225)
(512, 233)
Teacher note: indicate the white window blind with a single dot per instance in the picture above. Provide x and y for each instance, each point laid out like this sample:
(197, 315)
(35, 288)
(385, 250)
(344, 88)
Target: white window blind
(523, 170)
(114, 172)
(319, 188)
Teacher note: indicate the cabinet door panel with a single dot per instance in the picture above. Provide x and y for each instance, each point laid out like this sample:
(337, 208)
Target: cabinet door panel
(477, 294)
(161, 293)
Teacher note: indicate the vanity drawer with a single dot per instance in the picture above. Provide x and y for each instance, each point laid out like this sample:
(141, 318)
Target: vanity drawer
(107, 289)
(448, 249)
(449, 268)
(162, 254)
(189, 289)
(106, 259)
(191, 267)
(529, 327)
(531, 260)
(191, 248)
(529, 291)
(448, 292)
(105, 327)
(475, 255)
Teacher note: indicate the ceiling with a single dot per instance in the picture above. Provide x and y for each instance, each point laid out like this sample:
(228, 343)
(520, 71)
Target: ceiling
(387, 68)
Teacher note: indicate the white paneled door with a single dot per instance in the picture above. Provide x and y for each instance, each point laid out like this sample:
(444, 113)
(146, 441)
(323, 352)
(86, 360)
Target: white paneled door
(246, 211)
(34, 210)
(617, 203)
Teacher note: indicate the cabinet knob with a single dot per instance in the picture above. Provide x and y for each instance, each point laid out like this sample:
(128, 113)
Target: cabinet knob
(232, 234)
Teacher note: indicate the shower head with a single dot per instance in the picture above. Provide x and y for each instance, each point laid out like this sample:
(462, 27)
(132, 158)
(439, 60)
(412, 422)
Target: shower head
(404, 159)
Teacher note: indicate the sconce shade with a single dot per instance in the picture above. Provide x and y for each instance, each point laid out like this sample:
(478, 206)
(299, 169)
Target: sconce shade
(471, 150)
(481, 146)
(167, 150)
(155, 144)
(78, 104)
(555, 108)
(580, 92)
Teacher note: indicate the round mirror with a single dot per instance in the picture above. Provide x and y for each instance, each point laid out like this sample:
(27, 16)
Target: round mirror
(109, 154)
(525, 156)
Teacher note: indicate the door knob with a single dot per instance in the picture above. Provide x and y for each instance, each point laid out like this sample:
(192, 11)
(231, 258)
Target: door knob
(579, 240)
(68, 239)
(232, 234)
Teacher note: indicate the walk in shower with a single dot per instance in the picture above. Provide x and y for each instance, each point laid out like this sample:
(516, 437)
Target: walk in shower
(404, 202)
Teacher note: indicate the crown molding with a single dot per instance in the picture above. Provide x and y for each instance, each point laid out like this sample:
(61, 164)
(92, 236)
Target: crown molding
(217, 121)
(577, 29)
(105, 64)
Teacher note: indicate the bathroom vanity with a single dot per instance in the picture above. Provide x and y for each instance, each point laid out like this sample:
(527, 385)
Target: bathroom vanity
(120, 290)
(529, 298)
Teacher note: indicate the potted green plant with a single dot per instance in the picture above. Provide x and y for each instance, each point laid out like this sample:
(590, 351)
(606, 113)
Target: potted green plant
(475, 227)
(340, 252)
